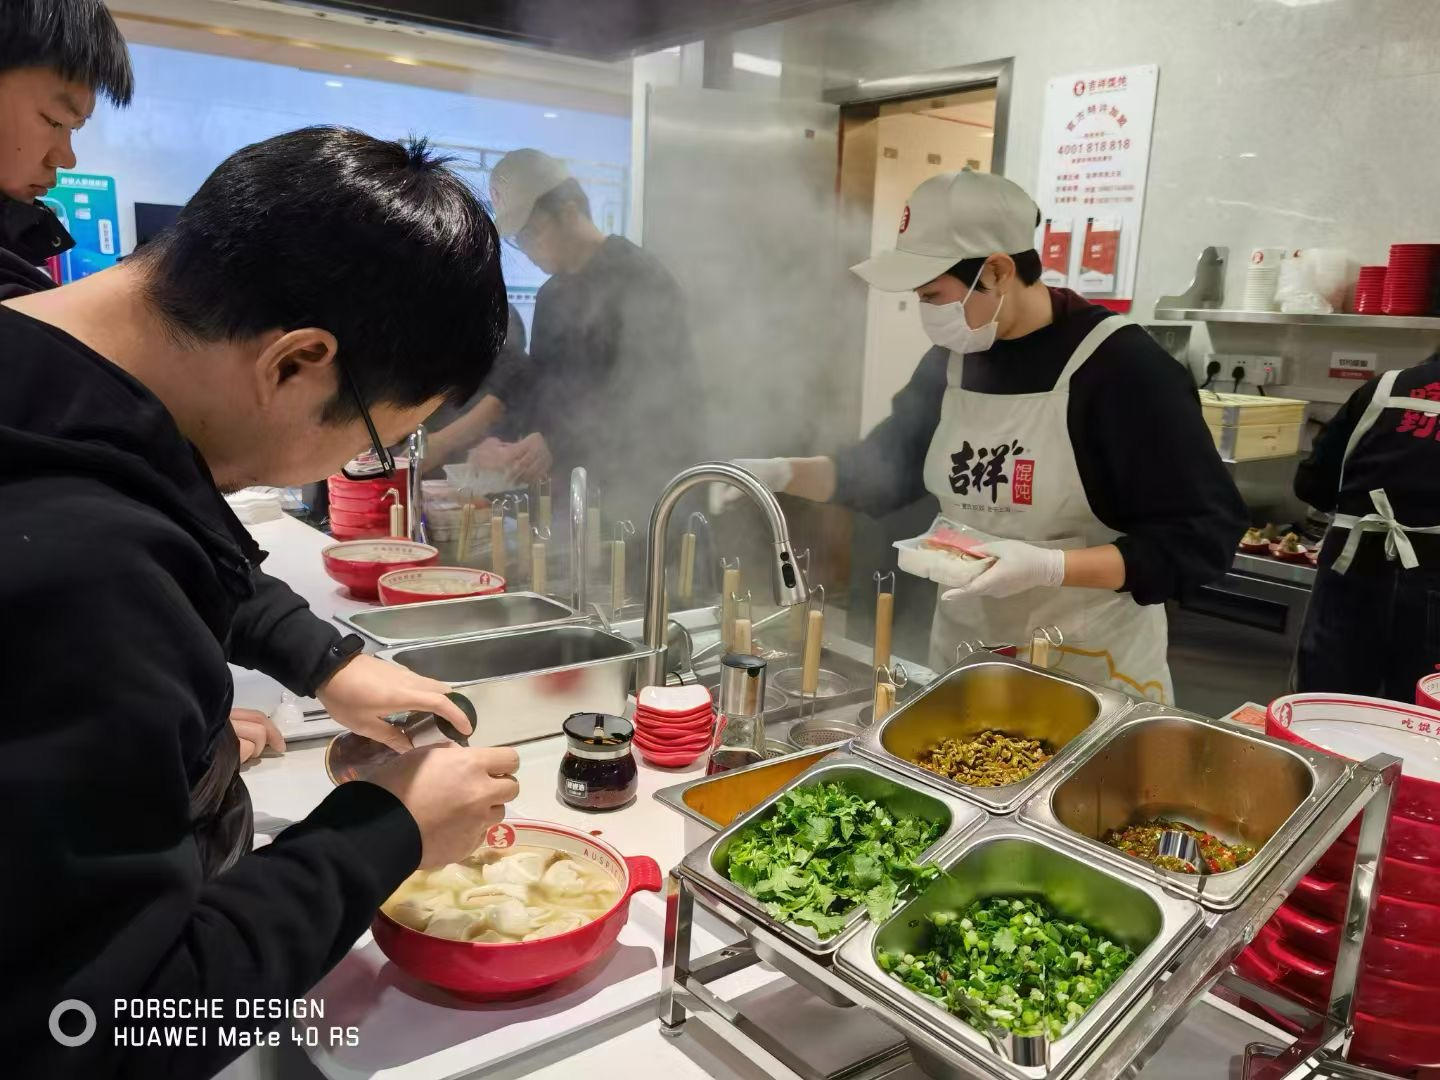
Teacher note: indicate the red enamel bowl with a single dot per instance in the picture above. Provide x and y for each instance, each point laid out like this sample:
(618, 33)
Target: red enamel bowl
(369, 532)
(495, 972)
(1405, 920)
(1427, 691)
(1398, 877)
(1401, 961)
(422, 583)
(1403, 726)
(358, 564)
(356, 520)
(375, 501)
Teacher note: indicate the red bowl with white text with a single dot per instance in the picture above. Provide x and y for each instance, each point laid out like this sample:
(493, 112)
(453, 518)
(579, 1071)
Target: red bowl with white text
(1351, 726)
(358, 564)
(419, 584)
(497, 971)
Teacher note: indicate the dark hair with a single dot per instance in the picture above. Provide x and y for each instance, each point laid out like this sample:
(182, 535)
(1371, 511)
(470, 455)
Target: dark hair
(568, 191)
(76, 38)
(377, 242)
(1027, 269)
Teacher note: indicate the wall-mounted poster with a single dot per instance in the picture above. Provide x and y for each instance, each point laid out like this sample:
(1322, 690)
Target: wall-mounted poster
(1091, 187)
(85, 204)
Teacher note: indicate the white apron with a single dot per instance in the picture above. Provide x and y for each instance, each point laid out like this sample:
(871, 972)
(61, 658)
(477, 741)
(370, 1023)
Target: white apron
(1003, 464)
(1397, 540)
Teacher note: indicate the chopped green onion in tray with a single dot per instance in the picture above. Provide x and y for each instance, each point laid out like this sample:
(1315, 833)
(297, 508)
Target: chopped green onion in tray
(825, 849)
(1028, 969)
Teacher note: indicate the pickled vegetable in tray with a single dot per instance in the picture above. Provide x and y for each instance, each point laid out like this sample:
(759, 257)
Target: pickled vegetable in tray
(989, 759)
(1143, 841)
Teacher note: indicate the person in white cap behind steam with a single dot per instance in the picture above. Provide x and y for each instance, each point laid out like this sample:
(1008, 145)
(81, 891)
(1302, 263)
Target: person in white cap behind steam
(1046, 421)
(611, 380)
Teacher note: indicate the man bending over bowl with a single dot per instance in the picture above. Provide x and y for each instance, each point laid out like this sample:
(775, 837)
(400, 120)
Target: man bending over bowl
(316, 296)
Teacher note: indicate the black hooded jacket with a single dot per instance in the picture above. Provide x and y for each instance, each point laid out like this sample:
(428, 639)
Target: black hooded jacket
(126, 584)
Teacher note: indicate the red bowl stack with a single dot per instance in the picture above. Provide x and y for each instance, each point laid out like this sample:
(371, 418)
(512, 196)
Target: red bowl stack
(1370, 291)
(1295, 952)
(360, 509)
(674, 725)
(1410, 279)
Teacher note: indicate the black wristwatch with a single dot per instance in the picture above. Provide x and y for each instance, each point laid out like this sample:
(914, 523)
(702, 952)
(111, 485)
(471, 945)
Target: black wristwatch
(338, 653)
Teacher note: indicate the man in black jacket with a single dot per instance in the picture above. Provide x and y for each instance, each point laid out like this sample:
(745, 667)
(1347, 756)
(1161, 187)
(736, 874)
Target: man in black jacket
(54, 56)
(307, 303)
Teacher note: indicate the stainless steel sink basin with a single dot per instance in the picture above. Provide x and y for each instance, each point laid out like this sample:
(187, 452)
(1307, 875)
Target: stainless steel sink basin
(524, 684)
(440, 620)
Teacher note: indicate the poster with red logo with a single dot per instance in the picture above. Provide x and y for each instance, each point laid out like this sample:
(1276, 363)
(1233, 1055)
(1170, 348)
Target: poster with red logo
(1094, 158)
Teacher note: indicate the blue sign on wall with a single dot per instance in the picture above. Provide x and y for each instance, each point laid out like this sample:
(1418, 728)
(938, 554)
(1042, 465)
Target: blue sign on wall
(85, 204)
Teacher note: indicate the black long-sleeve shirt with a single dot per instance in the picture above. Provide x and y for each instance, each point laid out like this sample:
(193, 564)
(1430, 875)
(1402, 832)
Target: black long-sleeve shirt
(1146, 459)
(125, 586)
(611, 382)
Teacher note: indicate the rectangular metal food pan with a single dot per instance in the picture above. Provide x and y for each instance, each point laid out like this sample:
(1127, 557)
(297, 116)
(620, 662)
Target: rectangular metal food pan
(993, 693)
(707, 863)
(443, 620)
(1229, 780)
(1007, 859)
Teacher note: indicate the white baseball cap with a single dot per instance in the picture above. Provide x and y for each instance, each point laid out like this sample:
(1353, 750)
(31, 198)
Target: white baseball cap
(951, 217)
(517, 181)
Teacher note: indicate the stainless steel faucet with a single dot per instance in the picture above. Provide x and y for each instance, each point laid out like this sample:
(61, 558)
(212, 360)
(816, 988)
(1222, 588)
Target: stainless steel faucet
(416, 453)
(579, 509)
(788, 582)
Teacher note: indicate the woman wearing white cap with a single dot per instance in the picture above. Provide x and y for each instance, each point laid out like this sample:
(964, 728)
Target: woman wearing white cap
(1046, 421)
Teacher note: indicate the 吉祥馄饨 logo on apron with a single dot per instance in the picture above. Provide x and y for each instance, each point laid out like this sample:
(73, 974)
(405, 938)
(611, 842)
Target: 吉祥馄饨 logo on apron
(985, 470)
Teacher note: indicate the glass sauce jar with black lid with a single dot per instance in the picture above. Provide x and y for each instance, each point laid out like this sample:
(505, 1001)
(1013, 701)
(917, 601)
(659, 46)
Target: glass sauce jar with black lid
(598, 771)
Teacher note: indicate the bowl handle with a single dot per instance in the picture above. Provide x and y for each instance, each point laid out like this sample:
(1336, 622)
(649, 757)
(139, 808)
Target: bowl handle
(645, 875)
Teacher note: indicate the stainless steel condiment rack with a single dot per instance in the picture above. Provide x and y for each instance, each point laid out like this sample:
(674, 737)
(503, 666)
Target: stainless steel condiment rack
(1193, 939)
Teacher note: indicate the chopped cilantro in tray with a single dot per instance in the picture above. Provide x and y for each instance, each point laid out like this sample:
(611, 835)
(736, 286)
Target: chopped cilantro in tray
(1015, 960)
(825, 849)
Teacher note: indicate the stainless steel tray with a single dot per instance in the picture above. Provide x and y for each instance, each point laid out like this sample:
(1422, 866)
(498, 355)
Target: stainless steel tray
(987, 692)
(443, 620)
(1223, 777)
(706, 864)
(1007, 859)
(525, 683)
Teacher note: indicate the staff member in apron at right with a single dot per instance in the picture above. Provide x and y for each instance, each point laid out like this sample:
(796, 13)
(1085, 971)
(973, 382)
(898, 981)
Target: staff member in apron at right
(1047, 422)
(1373, 626)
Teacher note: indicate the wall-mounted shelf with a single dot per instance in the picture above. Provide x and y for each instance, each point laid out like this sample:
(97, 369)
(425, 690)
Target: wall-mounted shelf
(1280, 318)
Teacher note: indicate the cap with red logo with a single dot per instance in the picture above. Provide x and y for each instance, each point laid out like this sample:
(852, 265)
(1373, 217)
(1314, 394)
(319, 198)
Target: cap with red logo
(950, 217)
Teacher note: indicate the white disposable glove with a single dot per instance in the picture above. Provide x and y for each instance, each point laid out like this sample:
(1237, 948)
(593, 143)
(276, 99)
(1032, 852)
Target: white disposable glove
(1018, 567)
(775, 473)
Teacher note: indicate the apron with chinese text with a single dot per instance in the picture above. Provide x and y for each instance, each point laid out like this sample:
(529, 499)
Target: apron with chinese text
(1003, 464)
(1397, 536)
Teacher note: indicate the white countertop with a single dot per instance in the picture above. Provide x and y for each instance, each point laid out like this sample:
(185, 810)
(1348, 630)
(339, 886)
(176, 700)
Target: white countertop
(410, 1032)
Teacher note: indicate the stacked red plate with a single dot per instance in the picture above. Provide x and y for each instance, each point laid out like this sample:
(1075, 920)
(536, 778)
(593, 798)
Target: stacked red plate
(1410, 279)
(1295, 952)
(1370, 291)
(674, 725)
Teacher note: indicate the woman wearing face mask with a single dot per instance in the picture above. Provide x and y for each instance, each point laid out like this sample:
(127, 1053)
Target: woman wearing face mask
(1046, 421)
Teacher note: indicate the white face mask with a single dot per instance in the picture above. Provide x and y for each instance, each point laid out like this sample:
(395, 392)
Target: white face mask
(946, 326)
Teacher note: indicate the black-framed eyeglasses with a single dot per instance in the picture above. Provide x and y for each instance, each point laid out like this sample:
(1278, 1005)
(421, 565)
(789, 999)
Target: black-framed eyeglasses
(383, 457)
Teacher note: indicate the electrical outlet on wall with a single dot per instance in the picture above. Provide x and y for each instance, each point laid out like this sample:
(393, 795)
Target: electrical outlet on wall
(1256, 370)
